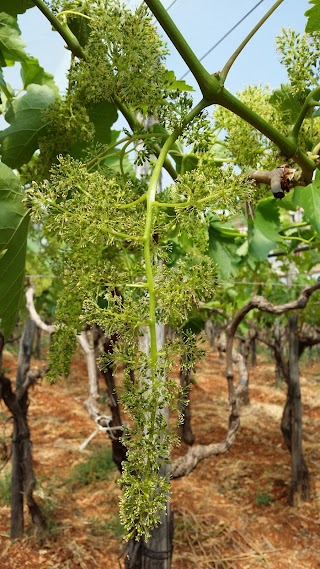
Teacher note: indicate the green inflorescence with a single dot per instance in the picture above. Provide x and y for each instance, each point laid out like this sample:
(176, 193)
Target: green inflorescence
(252, 149)
(117, 237)
(123, 58)
(299, 53)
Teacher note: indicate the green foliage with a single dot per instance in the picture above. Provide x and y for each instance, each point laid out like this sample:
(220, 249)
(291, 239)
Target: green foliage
(14, 221)
(145, 488)
(67, 126)
(309, 199)
(252, 149)
(145, 478)
(197, 278)
(20, 140)
(224, 244)
(103, 115)
(33, 73)
(97, 468)
(130, 259)
(288, 104)
(5, 489)
(14, 7)
(88, 213)
(313, 14)
(72, 128)
(264, 230)
(11, 45)
(263, 499)
(78, 22)
(197, 134)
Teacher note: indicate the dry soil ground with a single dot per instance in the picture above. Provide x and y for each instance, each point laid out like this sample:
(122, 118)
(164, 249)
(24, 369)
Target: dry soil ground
(230, 513)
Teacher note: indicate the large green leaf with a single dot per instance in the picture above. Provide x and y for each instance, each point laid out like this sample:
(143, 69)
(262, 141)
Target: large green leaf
(223, 244)
(264, 231)
(103, 115)
(14, 7)
(313, 15)
(184, 162)
(13, 239)
(80, 27)
(33, 73)
(287, 103)
(11, 45)
(309, 199)
(20, 140)
(6, 89)
(112, 160)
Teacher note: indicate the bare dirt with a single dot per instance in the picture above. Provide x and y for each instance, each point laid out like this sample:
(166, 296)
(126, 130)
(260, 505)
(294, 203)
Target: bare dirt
(231, 512)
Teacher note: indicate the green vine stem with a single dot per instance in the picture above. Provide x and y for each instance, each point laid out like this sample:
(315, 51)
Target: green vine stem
(121, 235)
(231, 60)
(74, 13)
(199, 72)
(294, 226)
(148, 233)
(215, 93)
(105, 151)
(134, 203)
(134, 125)
(134, 138)
(62, 28)
(312, 100)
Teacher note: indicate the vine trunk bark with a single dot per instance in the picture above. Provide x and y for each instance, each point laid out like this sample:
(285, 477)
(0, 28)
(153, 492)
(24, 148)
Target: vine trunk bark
(291, 424)
(119, 451)
(185, 428)
(22, 475)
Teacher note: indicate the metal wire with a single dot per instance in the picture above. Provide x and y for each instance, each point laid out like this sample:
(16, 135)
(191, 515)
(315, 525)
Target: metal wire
(172, 4)
(225, 35)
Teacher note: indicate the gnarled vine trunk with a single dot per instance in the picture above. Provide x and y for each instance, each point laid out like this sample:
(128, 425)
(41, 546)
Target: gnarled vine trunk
(22, 477)
(291, 424)
(119, 451)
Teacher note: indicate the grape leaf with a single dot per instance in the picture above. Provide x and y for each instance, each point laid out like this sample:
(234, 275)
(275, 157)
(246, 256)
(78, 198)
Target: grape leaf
(112, 160)
(14, 220)
(103, 115)
(33, 73)
(309, 199)
(5, 88)
(313, 15)
(176, 84)
(80, 27)
(184, 162)
(264, 231)
(223, 245)
(20, 140)
(287, 103)
(11, 45)
(14, 7)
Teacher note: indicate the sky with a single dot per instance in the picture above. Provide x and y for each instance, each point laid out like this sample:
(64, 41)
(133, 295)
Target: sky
(203, 22)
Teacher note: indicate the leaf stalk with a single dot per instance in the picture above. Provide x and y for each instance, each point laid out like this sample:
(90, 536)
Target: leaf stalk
(232, 59)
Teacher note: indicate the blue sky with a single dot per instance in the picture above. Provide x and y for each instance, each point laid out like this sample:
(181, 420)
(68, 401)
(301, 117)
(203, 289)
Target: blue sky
(203, 22)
